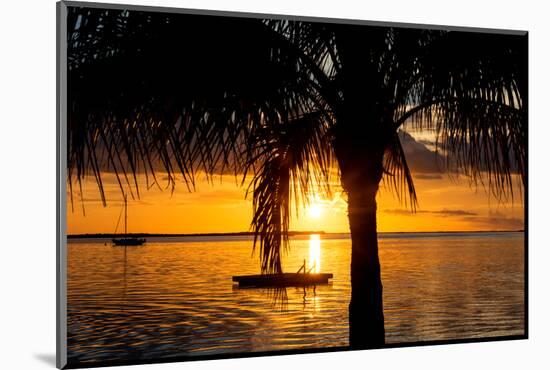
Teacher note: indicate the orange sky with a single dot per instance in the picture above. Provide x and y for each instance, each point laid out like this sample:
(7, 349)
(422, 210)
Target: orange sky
(444, 205)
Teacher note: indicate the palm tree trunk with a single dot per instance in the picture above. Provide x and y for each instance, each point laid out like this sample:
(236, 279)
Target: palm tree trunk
(366, 315)
(359, 142)
(361, 173)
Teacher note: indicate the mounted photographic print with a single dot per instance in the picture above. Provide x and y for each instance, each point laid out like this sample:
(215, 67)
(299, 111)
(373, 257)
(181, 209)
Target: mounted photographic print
(234, 185)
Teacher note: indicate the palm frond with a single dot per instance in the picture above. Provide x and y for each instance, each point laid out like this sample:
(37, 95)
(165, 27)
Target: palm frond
(142, 101)
(296, 160)
(485, 141)
(471, 89)
(251, 99)
(271, 202)
(397, 175)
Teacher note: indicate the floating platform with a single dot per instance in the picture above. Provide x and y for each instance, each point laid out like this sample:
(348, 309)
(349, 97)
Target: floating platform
(282, 280)
(128, 241)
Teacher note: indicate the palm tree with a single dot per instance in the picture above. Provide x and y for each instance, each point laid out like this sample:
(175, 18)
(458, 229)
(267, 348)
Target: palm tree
(286, 103)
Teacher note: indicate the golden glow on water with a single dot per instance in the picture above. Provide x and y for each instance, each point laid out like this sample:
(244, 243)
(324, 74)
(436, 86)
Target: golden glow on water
(314, 262)
(174, 296)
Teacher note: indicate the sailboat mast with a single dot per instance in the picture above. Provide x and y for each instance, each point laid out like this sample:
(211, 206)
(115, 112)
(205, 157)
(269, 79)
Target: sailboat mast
(125, 215)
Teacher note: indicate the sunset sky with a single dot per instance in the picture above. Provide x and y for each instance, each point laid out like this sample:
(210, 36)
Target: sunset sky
(445, 204)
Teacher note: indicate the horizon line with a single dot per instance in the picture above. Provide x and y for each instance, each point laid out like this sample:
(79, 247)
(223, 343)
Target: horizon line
(295, 232)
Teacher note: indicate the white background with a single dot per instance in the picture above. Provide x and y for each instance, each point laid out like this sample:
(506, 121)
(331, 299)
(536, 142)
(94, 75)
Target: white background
(27, 186)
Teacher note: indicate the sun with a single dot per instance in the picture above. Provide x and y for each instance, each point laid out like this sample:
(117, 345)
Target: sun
(315, 211)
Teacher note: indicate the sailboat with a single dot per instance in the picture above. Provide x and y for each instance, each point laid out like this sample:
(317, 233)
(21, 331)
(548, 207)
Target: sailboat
(126, 240)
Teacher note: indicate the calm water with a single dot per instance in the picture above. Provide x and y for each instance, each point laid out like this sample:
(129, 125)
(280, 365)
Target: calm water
(175, 297)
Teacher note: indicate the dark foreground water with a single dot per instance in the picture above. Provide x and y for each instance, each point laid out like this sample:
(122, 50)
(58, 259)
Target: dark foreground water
(175, 297)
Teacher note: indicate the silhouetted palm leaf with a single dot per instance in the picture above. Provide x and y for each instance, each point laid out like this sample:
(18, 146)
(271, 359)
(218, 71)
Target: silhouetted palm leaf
(398, 176)
(297, 160)
(471, 89)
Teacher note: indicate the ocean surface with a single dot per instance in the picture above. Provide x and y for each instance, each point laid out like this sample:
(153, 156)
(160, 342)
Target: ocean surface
(174, 297)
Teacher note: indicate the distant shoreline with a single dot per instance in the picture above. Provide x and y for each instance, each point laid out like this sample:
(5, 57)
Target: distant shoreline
(156, 235)
(247, 233)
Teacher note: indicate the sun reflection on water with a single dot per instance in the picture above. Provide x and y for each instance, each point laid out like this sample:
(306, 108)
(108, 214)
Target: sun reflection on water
(314, 262)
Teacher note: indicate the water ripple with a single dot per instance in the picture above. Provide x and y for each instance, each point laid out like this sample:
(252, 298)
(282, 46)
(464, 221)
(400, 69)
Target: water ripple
(176, 298)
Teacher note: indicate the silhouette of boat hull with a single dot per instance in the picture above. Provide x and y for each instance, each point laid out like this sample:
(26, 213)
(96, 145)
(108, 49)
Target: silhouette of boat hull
(282, 280)
(128, 241)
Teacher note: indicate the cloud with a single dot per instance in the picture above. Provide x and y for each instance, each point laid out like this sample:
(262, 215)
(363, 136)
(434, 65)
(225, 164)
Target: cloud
(398, 211)
(442, 212)
(425, 163)
(420, 159)
(453, 212)
(428, 177)
(498, 221)
(493, 221)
